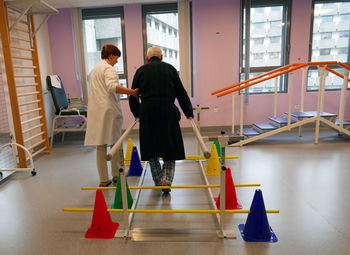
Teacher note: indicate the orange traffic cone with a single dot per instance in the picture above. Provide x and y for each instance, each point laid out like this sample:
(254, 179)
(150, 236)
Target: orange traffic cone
(230, 194)
(101, 225)
(213, 167)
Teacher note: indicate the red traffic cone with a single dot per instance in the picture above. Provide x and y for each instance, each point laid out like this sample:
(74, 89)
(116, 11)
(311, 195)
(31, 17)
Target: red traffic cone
(101, 225)
(230, 195)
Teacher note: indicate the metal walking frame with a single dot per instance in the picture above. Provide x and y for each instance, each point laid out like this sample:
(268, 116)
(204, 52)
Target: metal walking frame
(18, 169)
(128, 217)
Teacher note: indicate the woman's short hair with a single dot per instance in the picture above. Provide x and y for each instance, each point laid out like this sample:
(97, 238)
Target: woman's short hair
(109, 49)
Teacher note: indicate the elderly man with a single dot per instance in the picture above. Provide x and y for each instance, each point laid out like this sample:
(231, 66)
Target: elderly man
(160, 134)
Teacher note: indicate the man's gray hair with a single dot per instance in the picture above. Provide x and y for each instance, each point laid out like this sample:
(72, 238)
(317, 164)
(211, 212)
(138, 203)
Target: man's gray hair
(154, 51)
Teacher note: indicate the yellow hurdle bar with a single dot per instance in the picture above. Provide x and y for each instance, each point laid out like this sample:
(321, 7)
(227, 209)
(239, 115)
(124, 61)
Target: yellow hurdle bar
(196, 158)
(162, 211)
(171, 187)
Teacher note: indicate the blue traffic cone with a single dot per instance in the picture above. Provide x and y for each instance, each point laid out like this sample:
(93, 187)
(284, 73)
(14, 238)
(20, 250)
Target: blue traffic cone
(257, 228)
(135, 165)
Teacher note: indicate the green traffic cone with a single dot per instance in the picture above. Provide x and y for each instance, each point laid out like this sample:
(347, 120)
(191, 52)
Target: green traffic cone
(118, 201)
(218, 148)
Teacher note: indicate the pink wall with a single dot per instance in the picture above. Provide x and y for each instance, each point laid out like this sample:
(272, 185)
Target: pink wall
(215, 59)
(63, 51)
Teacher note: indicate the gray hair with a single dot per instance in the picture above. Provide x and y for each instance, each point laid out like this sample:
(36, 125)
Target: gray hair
(154, 51)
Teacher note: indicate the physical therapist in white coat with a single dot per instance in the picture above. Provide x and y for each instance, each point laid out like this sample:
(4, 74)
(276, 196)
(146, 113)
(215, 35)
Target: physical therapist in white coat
(105, 116)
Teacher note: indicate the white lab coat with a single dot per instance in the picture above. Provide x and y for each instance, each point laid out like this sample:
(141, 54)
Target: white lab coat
(105, 116)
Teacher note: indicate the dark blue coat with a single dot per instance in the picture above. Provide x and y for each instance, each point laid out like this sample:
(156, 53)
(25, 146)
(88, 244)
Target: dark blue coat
(160, 134)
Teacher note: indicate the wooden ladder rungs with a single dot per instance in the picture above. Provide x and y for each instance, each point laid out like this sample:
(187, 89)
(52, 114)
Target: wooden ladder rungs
(32, 128)
(26, 85)
(24, 67)
(30, 102)
(19, 38)
(36, 144)
(31, 111)
(32, 137)
(25, 76)
(21, 48)
(30, 120)
(38, 151)
(28, 94)
(21, 29)
(20, 57)
(11, 17)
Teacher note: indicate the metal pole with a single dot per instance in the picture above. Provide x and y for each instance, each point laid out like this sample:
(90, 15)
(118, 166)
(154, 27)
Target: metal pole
(125, 202)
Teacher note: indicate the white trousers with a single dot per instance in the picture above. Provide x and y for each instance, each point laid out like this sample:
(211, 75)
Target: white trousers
(116, 163)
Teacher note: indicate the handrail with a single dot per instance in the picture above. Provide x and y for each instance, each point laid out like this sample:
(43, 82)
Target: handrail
(264, 79)
(295, 66)
(251, 79)
(323, 63)
(334, 72)
(345, 66)
(119, 143)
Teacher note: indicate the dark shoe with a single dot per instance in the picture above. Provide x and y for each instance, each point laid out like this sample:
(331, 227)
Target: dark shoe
(166, 191)
(105, 184)
(115, 179)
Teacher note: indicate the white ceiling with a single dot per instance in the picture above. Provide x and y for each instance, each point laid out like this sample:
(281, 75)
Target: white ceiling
(88, 3)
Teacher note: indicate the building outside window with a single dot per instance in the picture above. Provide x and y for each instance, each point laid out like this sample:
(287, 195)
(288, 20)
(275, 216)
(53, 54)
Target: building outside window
(101, 26)
(167, 39)
(330, 40)
(269, 37)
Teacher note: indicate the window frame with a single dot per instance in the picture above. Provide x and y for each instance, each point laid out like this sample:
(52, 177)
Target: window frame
(285, 43)
(312, 68)
(111, 12)
(164, 8)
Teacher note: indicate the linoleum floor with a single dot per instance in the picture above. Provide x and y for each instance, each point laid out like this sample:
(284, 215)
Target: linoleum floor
(308, 183)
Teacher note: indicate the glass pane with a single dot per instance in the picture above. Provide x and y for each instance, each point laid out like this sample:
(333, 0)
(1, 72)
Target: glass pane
(266, 86)
(330, 39)
(267, 30)
(98, 32)
(332, 81)
(166, 38)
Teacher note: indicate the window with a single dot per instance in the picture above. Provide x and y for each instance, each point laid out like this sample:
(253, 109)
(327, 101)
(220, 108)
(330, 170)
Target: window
(166, 14)
(330, 40)
(164, 29)
(275, 39)
(328, 18)
(343, 34)
(156, 24)
(325, 52)
(326, 35)
(258, 40)
(101, 26)
(269, 37)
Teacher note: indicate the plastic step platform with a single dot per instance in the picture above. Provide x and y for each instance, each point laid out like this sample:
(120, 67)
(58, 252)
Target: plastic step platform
(250, 132)
(300, 115)
(345, 123)
(281, 121)
(263, 127)
(322, 114)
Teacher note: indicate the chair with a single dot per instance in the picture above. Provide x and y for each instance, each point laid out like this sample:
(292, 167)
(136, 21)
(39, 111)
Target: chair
(68, 118)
